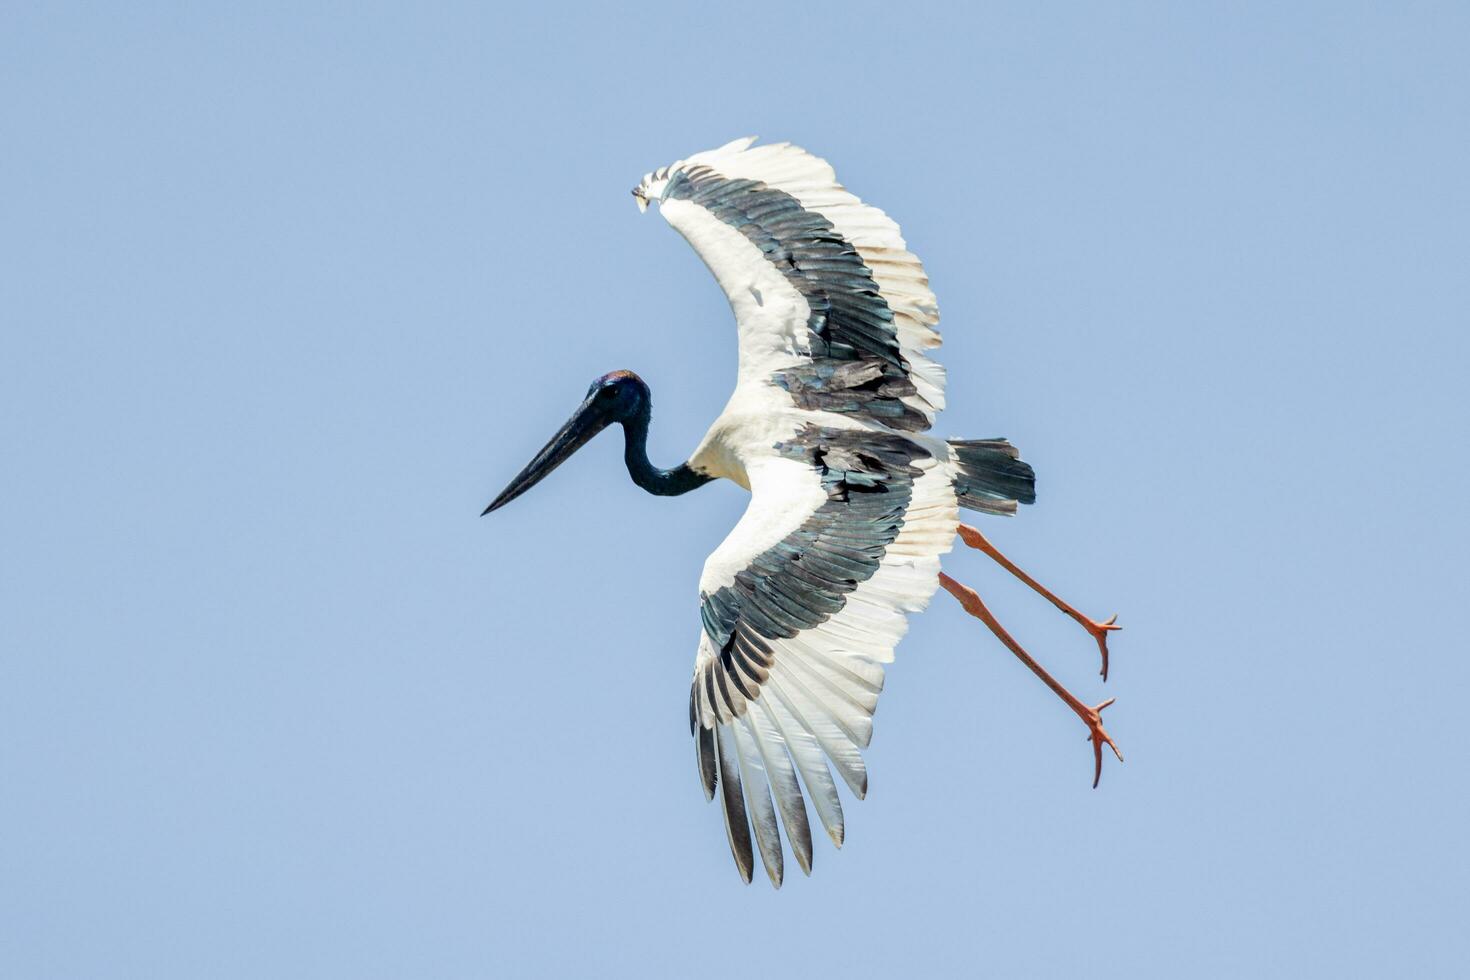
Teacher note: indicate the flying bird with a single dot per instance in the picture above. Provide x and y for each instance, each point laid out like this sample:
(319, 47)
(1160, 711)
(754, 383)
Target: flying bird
(852, 502)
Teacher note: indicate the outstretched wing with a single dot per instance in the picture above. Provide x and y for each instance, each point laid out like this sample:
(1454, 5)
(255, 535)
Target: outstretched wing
(834, 312)
(802, 605)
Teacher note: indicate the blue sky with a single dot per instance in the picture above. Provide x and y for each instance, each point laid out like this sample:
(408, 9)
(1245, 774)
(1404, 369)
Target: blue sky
(290, 294)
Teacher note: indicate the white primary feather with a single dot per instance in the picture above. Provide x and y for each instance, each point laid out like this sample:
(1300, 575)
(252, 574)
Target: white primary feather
(758, 796)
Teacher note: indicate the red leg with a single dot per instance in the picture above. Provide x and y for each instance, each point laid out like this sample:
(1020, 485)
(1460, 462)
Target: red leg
(1099, 631)
(1091, 717)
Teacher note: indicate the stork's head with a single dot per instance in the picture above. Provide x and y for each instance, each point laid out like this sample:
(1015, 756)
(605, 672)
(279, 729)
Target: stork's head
(621, 396)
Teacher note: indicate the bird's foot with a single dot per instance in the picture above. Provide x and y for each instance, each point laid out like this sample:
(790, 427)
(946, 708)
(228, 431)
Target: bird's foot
(1097, 735)
(1100, 633)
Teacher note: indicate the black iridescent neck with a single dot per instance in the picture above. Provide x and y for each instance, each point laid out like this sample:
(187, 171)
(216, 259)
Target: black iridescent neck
(663, 483)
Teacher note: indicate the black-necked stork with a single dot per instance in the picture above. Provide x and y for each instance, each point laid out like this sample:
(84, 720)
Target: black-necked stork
(852, 502)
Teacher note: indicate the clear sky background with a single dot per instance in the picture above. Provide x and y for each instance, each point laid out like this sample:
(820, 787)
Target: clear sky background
(288, 296)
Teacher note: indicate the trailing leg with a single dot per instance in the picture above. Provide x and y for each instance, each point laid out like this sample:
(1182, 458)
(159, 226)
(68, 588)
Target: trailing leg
(1099, 631)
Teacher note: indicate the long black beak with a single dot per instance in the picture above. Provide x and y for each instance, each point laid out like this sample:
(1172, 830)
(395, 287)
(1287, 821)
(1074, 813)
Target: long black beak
(585, 423)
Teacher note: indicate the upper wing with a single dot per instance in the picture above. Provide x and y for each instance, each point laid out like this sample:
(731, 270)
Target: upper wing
(801, 605)
(833, 309)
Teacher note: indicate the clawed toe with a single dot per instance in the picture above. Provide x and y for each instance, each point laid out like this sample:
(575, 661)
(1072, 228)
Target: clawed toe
(1098, 736)
(1100, 633)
